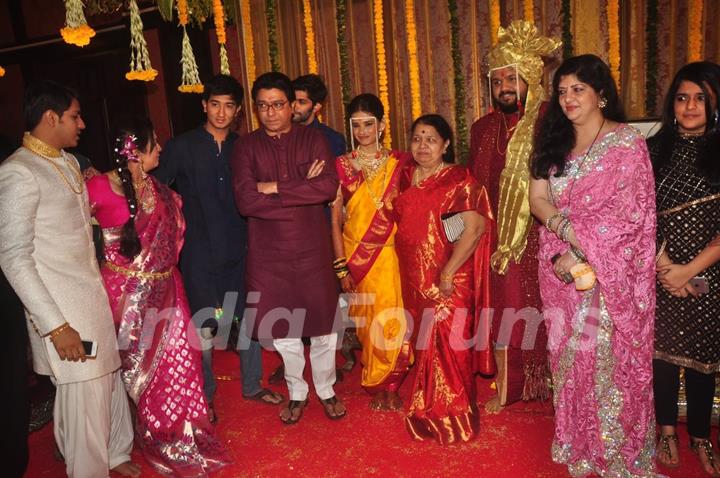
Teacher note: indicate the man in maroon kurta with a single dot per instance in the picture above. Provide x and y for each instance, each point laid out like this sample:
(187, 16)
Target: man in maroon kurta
(522, 374)
(283, 176)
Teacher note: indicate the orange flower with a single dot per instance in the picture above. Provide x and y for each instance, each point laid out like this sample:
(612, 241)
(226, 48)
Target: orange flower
(413, 66)
(382, 67)
(695, 15)
(494, 20)
(2, 71)
(529, 11)
(79, 36)
(182, 9)
(309, 37)
(219, 19)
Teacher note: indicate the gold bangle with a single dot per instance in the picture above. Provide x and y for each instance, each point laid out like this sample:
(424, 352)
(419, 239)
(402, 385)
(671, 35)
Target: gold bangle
(342, 274)
(58, 330)
(447, 277)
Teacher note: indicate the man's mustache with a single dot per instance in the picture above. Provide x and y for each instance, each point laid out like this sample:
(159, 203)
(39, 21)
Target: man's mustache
(503, 93)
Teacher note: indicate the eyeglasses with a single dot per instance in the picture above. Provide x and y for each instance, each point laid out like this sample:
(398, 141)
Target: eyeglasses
(276, 105)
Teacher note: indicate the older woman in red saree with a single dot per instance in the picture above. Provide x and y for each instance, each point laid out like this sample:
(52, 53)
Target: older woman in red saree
(364, 243)
(143, 227)
(443, 243)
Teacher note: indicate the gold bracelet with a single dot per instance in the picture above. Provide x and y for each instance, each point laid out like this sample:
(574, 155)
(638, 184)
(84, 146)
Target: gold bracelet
(342, 274)
(58, 330)
(447, 277)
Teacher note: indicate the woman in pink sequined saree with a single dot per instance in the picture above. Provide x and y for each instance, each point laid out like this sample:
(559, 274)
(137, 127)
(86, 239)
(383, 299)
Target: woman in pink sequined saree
(143, 227)
(593, 189)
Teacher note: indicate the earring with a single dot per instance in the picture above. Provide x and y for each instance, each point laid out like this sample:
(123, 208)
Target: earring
(675, 122)
(602, 103)
(143, 174)
(715, 117)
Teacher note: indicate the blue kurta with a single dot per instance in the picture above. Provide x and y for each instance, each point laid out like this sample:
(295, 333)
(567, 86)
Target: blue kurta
(213, 258)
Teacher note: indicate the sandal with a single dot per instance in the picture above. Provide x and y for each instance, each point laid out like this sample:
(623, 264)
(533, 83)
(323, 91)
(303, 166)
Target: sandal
(267, 396)
(703, 445)
(664, 445)
(291, 407)
(330, 408)
(212, 416)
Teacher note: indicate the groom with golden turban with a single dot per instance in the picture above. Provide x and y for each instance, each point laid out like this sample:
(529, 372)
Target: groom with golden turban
(500, 148)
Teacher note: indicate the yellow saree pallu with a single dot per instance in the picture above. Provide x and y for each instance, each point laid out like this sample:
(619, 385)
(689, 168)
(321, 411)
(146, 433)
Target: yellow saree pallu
(369, 236)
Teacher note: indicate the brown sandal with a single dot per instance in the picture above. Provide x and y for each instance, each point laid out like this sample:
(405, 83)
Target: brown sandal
(664, 442)
(704, 445)
(331, 404)
(291, 406)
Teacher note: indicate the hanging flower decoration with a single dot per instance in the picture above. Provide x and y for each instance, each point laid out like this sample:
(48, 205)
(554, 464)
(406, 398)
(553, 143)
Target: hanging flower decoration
(345, 81)
(76, 30)
(529, 8)
(494, 20)
(461, 132)
(190, 76)
(567, 37)
(613, 19)
(248, 47)
(413, 66)
(219, 19)
(2, 71)
(382, 68)
(271, 19)
(309, 37)
(140, 67)
(695, 16)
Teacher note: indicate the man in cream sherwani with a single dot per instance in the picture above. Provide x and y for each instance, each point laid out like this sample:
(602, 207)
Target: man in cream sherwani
(47, 255)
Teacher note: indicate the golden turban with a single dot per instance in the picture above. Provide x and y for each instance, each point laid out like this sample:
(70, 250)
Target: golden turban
(522, 46)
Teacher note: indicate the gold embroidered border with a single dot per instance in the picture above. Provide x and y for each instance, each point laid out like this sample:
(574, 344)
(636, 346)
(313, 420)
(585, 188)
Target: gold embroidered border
(140, 274)
(687, 362)
(688, 204)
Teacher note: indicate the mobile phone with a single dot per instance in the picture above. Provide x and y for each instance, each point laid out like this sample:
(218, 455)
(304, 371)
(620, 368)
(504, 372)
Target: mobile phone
(700, 284)
(90, 348)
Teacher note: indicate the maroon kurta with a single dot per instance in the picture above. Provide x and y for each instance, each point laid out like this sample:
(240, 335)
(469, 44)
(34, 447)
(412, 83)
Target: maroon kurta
(518, 288)
(290, 257)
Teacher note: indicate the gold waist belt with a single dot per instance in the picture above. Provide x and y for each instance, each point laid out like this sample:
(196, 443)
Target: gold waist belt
(140, 274)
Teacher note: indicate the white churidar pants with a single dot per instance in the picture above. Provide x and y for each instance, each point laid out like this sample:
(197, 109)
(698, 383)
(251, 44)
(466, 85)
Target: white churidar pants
(322, 362)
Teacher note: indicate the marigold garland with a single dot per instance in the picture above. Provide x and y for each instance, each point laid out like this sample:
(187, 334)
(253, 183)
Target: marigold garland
(76, 30)
(383, 92)
(140, 67)
(529, 8)
(190, 76)
(271, 18)
(219, 20)
(413, 66)
(309, 37)
(248, 48)
(2, 71)
(340, 11)
(613, 20)
(567, 37)
(461, 132)
(494, 20)
(695, 17)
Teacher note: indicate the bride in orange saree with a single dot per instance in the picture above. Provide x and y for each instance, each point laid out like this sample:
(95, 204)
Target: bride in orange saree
(364, 243)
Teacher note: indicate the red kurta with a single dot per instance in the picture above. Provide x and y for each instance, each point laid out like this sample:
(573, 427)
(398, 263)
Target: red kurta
(292, 290)
(518, 288)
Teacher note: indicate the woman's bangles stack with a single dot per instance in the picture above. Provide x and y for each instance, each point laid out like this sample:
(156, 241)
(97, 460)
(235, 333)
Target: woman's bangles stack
(581, 273)
(340, 267)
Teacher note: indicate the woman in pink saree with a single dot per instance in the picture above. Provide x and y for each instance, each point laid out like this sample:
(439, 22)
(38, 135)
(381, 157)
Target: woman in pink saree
(143, 227)
(593, 189)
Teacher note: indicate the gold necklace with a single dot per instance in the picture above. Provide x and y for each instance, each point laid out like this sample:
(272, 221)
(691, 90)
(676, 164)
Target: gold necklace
(48, 153)
(416, 174)
(370, 164)
(508, 134)
(147, 202)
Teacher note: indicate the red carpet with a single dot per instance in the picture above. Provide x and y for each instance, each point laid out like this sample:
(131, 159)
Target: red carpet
(513, 444)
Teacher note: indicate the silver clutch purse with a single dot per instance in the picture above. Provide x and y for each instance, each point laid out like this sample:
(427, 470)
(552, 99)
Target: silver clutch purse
(454, 227)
